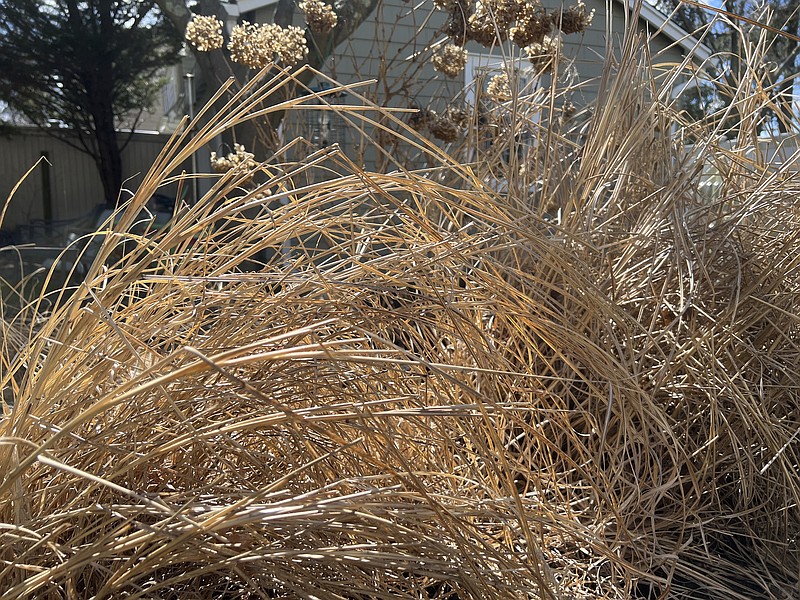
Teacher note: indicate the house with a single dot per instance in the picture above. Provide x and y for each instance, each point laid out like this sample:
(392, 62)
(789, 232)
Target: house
(394, 46)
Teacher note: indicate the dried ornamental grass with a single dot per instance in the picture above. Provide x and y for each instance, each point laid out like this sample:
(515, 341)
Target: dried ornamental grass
(426, 389)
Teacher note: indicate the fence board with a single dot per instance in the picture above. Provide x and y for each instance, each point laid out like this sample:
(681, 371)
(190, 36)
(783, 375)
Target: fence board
(75, 186)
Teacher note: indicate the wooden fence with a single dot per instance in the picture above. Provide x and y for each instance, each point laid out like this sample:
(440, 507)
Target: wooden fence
(68, 185)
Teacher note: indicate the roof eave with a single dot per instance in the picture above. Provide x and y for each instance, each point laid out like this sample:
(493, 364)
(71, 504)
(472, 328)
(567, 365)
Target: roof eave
(680, 36)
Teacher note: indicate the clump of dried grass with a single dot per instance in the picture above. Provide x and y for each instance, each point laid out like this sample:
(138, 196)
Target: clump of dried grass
(428, 388)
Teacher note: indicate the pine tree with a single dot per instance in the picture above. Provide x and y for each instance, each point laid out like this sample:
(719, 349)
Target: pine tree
(721, 35)
(80, 70)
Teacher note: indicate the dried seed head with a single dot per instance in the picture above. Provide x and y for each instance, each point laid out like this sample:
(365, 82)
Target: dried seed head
(443, 128)
(574, 19)
(204, 33)
(499, 89)
(248, 47)
(451, 60)
(460, 12)
(291, 45)
(239, 160)
(543, 54)
(421, 119)
(259, 45)
(491, 21)
(533, 23)
(568, 111)
(321, 17)
(458, 115)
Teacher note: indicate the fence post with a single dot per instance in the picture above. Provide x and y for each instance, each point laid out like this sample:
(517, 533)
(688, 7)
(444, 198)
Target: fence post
(47, 192)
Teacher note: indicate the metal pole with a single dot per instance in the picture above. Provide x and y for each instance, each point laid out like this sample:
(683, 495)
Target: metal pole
(190, 97)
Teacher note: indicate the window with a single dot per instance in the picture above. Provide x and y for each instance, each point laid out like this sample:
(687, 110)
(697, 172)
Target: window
(480, 69)
(325, 127)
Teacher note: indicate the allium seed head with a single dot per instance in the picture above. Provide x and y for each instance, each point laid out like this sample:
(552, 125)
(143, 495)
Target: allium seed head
(499, 89)
(458, 115)
(421, 119)
(574, 19)
(291, 44)
(542, 54)
(443, 128)
(491, 21)
(451, 60)
(259, 45)
(568, 111)
(321, 17)
(533, 23)
(204, 33)
(239, 160)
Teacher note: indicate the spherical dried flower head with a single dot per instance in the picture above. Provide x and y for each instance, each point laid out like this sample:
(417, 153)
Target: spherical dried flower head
(499, 88)
(533, 23)
(204, 33)
(444, 129)
(542, 54)
(259, 45)
(239, 160)
(574, 19)
(248, 48)
(291, 44)
(491, 21)
(458, 115)
(568, 111)
(459, 13)
(321, 17)
(451, 60)
(420, 120)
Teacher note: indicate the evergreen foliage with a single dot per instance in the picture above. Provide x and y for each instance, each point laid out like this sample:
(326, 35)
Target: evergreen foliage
(81, 70)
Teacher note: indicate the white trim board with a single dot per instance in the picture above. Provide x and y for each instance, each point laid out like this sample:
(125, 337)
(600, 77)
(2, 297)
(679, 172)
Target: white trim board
(248, 5)
(663, 23)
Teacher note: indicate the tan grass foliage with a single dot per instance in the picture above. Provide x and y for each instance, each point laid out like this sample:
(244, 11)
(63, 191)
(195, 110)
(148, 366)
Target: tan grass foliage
(413, 385)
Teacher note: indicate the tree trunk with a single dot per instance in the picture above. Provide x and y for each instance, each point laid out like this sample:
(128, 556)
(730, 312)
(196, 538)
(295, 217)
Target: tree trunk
(108, 159)
(109, 162)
